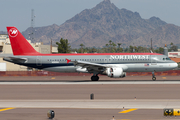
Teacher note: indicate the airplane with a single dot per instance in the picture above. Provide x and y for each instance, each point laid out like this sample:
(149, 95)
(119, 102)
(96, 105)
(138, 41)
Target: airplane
(114, 65)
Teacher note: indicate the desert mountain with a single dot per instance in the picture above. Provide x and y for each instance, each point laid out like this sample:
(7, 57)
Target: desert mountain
(104, 22)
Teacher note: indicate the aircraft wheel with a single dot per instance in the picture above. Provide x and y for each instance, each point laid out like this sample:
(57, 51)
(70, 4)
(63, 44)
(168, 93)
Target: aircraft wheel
(153, 78)
(94, 78)
(97, 78)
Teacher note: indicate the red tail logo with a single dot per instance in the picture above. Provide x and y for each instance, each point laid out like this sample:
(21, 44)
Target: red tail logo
(20, 46)
(13, 32)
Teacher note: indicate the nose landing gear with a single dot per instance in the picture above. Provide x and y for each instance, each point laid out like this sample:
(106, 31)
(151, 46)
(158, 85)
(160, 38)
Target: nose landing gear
(153, 76)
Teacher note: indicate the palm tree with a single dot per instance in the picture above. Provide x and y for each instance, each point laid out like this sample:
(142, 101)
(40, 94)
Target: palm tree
(119, 44)
(82, 45)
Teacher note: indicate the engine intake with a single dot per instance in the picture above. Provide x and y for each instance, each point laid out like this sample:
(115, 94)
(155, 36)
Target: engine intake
(115, 72)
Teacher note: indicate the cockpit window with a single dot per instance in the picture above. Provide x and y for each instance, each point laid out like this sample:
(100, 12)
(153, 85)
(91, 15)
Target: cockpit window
(166, 58)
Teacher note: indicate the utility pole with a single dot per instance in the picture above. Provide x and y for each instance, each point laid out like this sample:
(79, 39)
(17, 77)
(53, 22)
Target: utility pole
(51, 46)
(32, 25)
(151, 44)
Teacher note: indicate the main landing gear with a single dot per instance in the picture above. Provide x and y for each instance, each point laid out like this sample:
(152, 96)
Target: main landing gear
(153, 76)
(95, 78)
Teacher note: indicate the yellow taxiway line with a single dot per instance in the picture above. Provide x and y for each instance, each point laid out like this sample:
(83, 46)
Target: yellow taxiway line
(6, 109)
(129, 110)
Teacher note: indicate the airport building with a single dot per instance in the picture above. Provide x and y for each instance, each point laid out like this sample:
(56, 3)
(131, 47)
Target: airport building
(174, 54)
(5, 49)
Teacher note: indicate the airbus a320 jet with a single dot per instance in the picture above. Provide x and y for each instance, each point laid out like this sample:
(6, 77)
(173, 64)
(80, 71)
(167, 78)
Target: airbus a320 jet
(114, 65)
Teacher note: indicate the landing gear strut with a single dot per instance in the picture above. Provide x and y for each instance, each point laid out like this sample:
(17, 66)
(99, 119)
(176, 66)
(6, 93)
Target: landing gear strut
(95, 78)
(153, 76)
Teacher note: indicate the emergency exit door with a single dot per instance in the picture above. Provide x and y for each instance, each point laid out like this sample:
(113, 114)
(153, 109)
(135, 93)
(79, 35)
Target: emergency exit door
(39, 60)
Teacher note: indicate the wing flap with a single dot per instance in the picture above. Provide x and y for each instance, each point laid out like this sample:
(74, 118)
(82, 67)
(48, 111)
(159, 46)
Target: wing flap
(84, 64)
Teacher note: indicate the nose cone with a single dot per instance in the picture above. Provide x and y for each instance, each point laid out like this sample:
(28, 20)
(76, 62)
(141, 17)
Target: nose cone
(174, 65)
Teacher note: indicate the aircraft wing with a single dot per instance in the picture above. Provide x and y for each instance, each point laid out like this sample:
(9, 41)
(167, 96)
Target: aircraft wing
(91, 67)
(84, 64)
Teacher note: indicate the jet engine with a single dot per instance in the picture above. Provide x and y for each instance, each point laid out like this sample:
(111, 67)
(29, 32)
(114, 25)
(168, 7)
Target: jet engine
(115, 72)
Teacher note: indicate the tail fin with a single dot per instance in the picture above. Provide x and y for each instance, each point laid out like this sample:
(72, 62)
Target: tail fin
(20, 46)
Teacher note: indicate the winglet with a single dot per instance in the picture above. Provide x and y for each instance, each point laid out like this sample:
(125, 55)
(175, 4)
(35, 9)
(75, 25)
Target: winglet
(20, 46)
(68, 60)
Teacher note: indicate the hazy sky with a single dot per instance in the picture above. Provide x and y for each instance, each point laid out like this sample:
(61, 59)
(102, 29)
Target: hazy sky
(47, 12)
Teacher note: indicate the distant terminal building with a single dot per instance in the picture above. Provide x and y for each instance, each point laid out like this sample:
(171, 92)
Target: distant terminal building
(174, 54)
(5, 48)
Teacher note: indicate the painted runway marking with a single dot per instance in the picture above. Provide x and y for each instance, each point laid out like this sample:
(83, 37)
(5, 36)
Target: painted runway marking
(6, 109)
(89, 83)
(129, 110)
(121, 119)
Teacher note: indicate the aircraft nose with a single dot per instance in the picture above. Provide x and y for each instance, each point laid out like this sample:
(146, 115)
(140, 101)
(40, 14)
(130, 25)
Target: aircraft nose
(174, 65)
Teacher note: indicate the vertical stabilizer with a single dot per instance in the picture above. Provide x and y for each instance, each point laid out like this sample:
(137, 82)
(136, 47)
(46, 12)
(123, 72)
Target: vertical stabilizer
(20, 46)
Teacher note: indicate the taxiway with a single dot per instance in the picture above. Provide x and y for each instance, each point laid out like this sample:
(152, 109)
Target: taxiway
(71, 99)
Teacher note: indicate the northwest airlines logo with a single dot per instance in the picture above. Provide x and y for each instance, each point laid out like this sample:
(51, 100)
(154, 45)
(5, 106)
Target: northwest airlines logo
(13, 32)
(129, 57)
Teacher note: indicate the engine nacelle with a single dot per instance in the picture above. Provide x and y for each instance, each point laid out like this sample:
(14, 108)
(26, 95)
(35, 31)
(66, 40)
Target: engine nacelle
(80, 69)
(123, 75)
(115, 72)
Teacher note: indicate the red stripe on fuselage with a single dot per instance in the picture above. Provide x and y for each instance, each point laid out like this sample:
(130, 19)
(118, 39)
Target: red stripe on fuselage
(91, 54)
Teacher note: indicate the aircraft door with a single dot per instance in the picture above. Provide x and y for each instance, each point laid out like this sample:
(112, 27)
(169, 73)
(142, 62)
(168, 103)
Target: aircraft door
(153, 60)
(38, 60)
